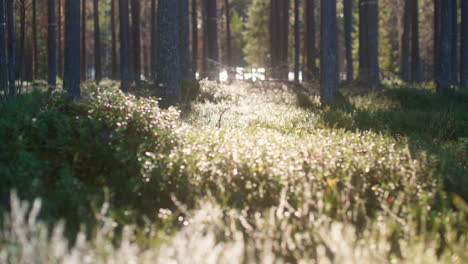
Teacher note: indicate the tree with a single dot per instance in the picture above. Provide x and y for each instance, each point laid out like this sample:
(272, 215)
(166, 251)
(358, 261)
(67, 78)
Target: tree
(84, 15)
(51, 44)
(455, 58)
(124, 45)
(169, 70)
(136, 41)
(444, 67)
(348, 30)
(464, 45)
(113, 41)
(10, 13)
(297, 44)
(35, 60)
(97, 42)
(328, 52)
(60, 38)
(227, 10)
(153, 39)
(184, 39)
(194, 36)
(212, 38)
(279, 32)
(405, 42)
(368, 43)
(3, 51)
(437, 25)
(415, 56)
(71, 81)
(311, 70)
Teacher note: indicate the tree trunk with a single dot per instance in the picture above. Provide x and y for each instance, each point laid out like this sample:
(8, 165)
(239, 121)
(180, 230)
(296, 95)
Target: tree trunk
(415, 56)
(169, 71)
(22, 50)
(311, 71)
(136, 41)
(124, 45)
(444, 68)
(184, 39)
(83, 40)
(464, 45)
(227, 9)
(194, 36)
(60, 39)
(279, 32)
(368, 43)
(455, 58)
(437, 17)
(71, 81)
(297, 44)
(348, 30)
(51, 45)
(3, 51)
(10, 13)
(328, 52)
(35, 57)
(405, 42)
(114, 41)
(153, 39)
(212, 34)
(97, 43)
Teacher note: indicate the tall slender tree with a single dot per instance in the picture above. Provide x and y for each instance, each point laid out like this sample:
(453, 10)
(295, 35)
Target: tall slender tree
(169, 71)
(97, 42)
(444, 67)
(10, 13)
(184, 39)
(113, 41)
(368, 43)
(455, 59)
(60, 38)
(136, 40)
(328, 52)
(464, 45)
(415, 56)
(227, 15)
(51, 44)
(436, 44)
(194, 36)
(153, 39)
(124, 45)
(348, 31)
(279, 32)
(35, 58)
(23, 6)
(311, 70)
(3, 51)
(297, 44)
(405, 41)
(71, 80)
(84, 15)
(212, 35)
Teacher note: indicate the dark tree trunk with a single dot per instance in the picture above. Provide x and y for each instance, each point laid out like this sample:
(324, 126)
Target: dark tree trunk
(35, 57)
(83, 40)
(136, 41)
(368, 43)
(444, 69)
(437, 17)
(297, 44)
(464, 46)
(212, 35)
(60, 39)
(71, 81)
(194, 36)
(22, 44)
(3, 51)
(227, 9)
(415, 56)
(348, 30)
(405, 42)
(10, 13)
(455, 58)
(184, 39)
(153, 39)
(169, 72)
(328, 52)
(204, 64)
(279, 32)
(51, 45)
(311, 70)
(114, 41)
(124, 45)
(97, 43)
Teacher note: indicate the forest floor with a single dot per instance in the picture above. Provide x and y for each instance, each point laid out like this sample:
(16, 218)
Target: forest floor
(247, 173)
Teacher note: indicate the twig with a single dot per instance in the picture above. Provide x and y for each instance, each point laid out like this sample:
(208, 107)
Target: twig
(221, 116)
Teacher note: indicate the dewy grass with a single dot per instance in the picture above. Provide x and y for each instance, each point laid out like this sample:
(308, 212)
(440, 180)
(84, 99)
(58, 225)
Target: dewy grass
(252, 174)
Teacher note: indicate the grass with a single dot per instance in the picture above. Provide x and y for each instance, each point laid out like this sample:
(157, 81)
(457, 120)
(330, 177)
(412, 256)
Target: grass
(250, 173)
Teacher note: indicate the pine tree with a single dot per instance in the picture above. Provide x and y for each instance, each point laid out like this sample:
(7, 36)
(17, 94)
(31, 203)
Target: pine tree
(10, 14)
(3, 51)
(184, 39)
(71, 81)
(311, 70)
(328, 52)
(368, 43)
(136, 40)
(348, 30)
(464, 45)
(51, 44)
(124, 45)
(444, 68)
(97, 42)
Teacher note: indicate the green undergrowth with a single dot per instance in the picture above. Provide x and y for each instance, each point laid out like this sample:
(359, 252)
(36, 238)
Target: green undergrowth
(251, 174)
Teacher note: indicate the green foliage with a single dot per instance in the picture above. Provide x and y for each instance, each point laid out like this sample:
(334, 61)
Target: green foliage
(253, 173)
(257, 34)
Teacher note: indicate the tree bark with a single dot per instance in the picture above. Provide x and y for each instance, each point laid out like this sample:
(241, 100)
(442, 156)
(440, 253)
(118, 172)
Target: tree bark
(455, 58)
(3, 50)
(444, 69)
(328, 52)
(97, 43)
(415, 56)
(35, 59)
(279, 32)
(10, 13)
(297, 44)
(194, 36)
(464, 45)
(348, 30)
(52, 45)
(212, 34)
(437, 17)
(22, 43)
(136, 41)
(311, 71)
(83, 40)
(184, 39)
(60, 38)
(227, 9)
(153, 39)
(71, 81)
(405, 42)
(169, 71)
(114, 41)
(368, 43)
(124, 45)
